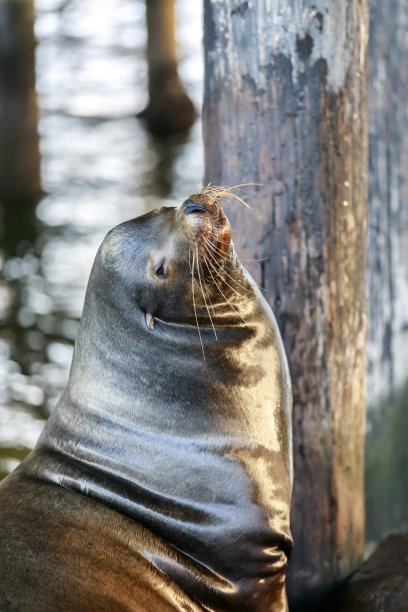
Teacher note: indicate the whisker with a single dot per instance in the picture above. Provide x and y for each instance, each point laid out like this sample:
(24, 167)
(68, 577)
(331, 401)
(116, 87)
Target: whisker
(195, 309)
(215, 187)
(215, 249)
(202, 291)
(221, 192)
(260, 259)
(220, 290)
(228, 285)
(206, 288)
(216, 237)
(220, 254)
(233, 279)
(214, 255)
(219, 240)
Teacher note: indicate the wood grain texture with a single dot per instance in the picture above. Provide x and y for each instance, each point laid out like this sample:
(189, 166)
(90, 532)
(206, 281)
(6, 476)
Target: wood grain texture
(283, 107)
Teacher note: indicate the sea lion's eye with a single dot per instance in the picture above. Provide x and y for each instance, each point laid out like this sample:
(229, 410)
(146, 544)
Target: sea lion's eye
(161, 270)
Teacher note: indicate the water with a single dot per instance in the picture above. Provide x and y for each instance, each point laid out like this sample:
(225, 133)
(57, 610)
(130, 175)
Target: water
(99, 168)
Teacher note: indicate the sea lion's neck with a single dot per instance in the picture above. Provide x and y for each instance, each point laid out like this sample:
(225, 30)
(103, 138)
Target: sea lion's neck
(128, 381)
(146, 417)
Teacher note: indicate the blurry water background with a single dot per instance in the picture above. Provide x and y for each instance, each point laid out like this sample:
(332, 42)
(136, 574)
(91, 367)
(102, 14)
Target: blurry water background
(99, 167)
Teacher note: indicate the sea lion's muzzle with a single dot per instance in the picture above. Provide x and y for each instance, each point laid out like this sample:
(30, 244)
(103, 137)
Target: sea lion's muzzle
(208, 227)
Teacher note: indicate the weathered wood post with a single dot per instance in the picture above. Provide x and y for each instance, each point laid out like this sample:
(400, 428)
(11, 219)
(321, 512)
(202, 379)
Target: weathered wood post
(285, 106)
(170, 109)
(20, 183)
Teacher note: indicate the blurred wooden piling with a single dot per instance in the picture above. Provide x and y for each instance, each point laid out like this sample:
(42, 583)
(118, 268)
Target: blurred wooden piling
(170, 109)
(20, 183)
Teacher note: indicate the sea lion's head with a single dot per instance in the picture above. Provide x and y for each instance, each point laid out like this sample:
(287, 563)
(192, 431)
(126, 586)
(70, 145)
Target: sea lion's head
(178, 265)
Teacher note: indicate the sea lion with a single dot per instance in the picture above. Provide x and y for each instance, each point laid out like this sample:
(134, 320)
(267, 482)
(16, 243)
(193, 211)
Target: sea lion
(162, 479)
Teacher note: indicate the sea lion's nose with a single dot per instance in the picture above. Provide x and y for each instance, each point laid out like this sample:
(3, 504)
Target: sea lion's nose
(190, 207)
